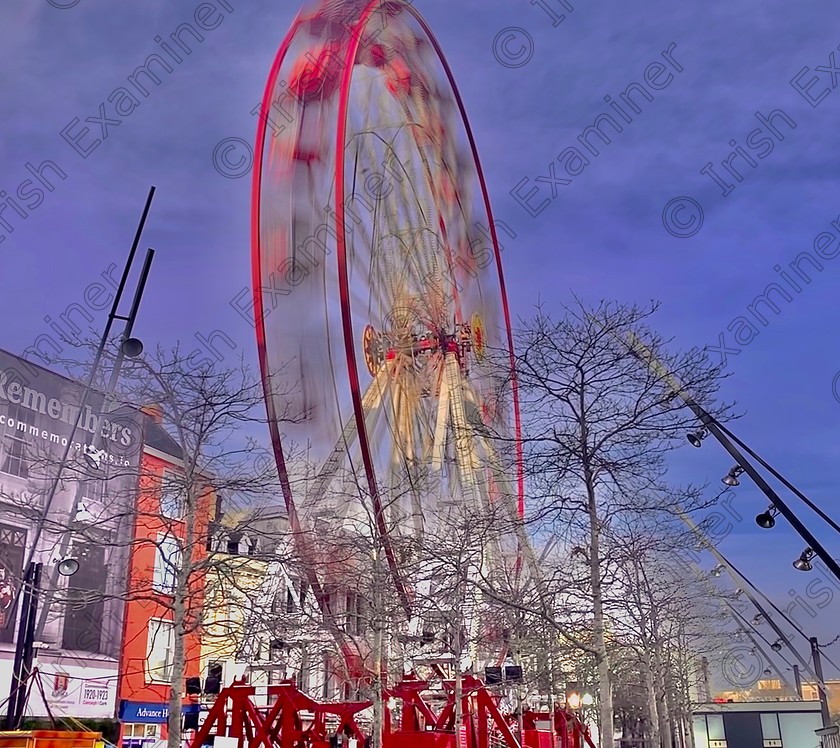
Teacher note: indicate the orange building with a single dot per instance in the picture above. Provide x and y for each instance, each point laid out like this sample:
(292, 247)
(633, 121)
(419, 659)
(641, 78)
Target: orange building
(162, 539)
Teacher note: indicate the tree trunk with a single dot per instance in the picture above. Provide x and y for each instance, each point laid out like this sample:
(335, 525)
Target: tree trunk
(662, 706)
(652, 704)
(605, 722)
(173, 723)
(378, 706)
(457, 652)
(180, 625)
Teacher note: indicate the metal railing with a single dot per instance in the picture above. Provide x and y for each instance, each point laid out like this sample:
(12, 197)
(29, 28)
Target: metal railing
(829, 736)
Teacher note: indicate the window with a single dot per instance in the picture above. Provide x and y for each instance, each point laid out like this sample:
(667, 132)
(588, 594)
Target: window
(215, 676)
(714, 731)
(139, 735)
(159, 650)
(167, 563)
(171, 495)
(771, 730)
(304, 590)
(233, 541)
(15, 460)
(355, 615)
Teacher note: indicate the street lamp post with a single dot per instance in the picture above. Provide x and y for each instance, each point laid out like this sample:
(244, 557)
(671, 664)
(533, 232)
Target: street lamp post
(815, 654)
(30, 590)
(127, 347)
(22, 667)
(711, 426)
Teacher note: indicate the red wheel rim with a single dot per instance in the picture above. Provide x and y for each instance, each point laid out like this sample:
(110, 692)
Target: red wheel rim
(283, 158)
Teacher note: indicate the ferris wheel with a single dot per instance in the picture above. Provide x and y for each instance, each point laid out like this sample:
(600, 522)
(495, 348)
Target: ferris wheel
(384, 326)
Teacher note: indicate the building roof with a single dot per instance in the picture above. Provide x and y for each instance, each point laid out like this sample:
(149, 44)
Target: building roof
(157, 437)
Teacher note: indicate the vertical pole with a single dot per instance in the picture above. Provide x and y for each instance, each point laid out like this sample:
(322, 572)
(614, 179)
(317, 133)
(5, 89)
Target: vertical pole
(98, 439)
(17, 667)
(24, 646)
(707, 688)
(29, 643)
(797, 679)
(94, 368)
(815, 654)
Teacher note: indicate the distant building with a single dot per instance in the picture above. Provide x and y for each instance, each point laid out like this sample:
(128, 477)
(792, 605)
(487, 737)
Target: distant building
(772, 689)
(261, 619)
(767, 724)
(160, 540)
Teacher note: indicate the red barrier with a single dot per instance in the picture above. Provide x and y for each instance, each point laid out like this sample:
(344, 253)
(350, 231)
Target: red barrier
(294, 720)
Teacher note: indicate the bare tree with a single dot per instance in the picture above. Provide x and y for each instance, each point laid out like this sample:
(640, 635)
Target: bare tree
(599, 425)
(207, 410)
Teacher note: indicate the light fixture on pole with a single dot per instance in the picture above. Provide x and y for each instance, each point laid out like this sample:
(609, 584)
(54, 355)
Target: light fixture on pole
(757, 619)
(573, 697)
(131, 347)
(776, 646)
(803, 563)
(695, 438)
(731, 478)
(767, 520)
(67, 567)
(718, 570)
(587, 699)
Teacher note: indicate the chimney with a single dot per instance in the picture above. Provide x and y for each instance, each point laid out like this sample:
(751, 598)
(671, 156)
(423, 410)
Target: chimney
(154, 411)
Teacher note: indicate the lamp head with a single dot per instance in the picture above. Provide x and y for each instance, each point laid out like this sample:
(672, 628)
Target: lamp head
(731, 478)
(131, 347)
(67, 567)
(776, 646)
(767, 519)
(803, 563)
(695, 438)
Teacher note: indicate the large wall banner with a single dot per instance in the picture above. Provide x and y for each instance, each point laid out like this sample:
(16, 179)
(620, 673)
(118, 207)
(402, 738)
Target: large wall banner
(90, 517)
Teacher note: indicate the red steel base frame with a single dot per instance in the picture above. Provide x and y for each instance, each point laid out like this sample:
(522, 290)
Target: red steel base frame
(295, 720)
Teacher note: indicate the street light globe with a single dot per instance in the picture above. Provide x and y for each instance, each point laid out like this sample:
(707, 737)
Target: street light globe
(573, 701)
(67, 567)
(131, 347)
(587, 699)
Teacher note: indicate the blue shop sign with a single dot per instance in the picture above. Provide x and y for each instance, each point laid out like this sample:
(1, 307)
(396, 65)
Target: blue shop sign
(149, 713)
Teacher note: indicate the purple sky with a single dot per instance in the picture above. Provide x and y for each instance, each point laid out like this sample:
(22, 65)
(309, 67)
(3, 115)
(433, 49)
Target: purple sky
(601, 236)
